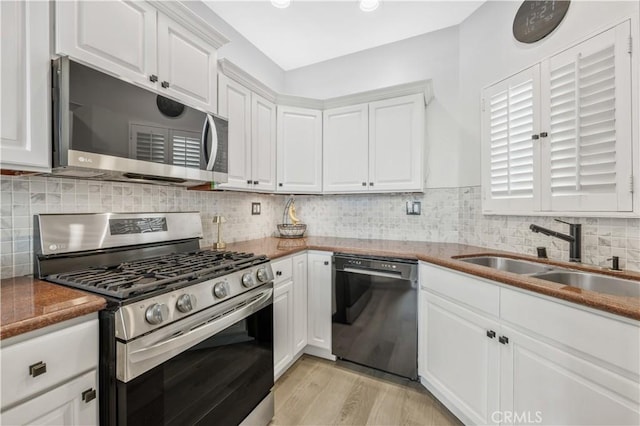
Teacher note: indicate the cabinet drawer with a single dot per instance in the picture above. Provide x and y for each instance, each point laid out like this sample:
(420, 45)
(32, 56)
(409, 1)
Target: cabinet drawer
(461, 287)
(615, 342)
(66, 353)
(282, 270)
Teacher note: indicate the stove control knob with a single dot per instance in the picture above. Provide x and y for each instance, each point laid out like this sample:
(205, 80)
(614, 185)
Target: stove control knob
(247, 280)
(221, 290)
(262, 275)
(186, 303)
(156, 313)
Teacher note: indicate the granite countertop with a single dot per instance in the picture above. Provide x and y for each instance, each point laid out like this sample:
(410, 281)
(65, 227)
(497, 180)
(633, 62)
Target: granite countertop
(28, 304)
(447, 255)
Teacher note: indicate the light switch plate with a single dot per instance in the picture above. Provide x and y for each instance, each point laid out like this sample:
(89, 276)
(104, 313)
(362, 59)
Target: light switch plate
(255, 208)
(414, 207)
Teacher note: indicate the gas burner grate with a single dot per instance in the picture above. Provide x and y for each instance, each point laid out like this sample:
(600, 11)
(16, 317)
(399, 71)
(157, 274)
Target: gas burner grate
(156, 273)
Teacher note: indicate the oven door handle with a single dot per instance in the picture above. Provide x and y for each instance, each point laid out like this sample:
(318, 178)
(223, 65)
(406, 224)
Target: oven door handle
(396, 275)
(177, 343)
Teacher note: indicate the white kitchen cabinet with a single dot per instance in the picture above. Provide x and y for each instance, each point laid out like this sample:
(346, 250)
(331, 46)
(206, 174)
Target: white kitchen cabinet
(299, 150)
(25, 79)
(252, 137)
(396, 143)
(460, 357)
(49, 376)
(282, 327)
(135, 41)
(345, 148)
(557, 137)
(320, 304)
(374, 147)
(187, 65)
(117, 36)
(300, 301)
(549, 361)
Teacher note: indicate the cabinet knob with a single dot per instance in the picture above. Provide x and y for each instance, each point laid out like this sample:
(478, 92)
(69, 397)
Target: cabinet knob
(544, 134)
(364, 183)
(503, 339)
(280, 184)
(248, 181)
(89, 395)
(153, 78)
(370, 183)
(535, 137)
(37, 369)
(491, 334)
(255, 182)
(165, 84)
(278, 273)
(326, 262)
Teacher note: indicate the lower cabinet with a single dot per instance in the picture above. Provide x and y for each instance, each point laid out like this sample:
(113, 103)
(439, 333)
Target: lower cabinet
(511, 357)
(49, 376)
(320, 304)
(289, 311)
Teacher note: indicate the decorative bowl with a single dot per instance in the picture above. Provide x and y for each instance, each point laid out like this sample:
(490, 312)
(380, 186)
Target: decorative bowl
(288, 230)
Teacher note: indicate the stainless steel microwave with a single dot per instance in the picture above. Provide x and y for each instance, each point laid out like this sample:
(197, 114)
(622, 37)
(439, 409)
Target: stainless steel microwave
(107, 128)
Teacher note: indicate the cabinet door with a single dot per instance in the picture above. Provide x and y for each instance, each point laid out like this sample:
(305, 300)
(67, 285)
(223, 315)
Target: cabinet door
(460, 357)
(396, 140)
(551, 386)
(282, 327)
(186, 65)
(510, 154)
(263, 143)
(299, 302)
(63, 405)
(234, 103)
(117, 36)
(345, 148)
(319, 303)
(299, 150)
(587, 158)
(25, 79)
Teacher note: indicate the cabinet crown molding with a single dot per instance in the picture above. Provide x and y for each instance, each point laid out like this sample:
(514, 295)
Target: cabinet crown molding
(236, 73)
(239, 75)
(194, 23)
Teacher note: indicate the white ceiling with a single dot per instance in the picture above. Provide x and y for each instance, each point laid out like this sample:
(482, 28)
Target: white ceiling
(310, 31)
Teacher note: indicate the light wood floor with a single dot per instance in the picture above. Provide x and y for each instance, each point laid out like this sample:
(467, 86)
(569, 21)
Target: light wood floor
(319, 392)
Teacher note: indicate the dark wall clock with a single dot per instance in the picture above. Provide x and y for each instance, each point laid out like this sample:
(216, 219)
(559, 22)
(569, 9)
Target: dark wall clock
(537, 19)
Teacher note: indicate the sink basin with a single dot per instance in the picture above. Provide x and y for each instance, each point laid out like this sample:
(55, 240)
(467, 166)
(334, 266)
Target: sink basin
(593, 282)
(508, 264)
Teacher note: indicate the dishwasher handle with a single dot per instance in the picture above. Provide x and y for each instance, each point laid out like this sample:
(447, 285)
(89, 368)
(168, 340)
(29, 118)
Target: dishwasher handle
(393, 275)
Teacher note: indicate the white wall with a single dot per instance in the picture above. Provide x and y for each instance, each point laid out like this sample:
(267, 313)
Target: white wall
(240, 51)
(489, 53)
(429, 56)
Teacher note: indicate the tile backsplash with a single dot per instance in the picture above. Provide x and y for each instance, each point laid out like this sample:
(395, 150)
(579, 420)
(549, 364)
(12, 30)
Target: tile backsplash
(448, 215)
(22, 197)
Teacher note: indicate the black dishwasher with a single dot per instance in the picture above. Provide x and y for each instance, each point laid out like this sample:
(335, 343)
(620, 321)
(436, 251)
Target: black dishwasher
(375, 312)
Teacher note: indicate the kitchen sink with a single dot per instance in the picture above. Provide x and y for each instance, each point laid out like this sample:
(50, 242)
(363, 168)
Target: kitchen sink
(508, 264)
(593, 282)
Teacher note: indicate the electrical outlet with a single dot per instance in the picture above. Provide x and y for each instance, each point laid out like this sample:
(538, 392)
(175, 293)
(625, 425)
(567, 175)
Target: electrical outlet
(255, 208)
(413, 207)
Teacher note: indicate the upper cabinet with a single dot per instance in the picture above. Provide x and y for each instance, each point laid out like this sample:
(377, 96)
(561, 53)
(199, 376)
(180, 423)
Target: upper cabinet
(25, 79)
(557, 137)
(375, 147)
(252, 137)
(299, 150)
(136, 41)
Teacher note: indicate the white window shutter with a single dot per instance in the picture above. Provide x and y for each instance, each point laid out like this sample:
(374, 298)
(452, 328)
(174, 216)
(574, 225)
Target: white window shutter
(148, 143)
(587, 159)
(186, 148)
(509, 152)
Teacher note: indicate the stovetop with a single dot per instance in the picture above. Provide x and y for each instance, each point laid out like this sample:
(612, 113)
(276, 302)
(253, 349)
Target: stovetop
(156, 274)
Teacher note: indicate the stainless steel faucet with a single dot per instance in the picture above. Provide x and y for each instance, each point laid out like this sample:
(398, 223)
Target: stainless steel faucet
(574, 238)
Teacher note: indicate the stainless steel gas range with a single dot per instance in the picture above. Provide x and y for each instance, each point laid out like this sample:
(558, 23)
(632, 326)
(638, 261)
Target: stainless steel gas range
(187, 336)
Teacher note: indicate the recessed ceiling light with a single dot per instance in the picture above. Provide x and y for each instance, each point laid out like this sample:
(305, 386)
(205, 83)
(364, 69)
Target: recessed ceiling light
(369, 5)
(281, 4)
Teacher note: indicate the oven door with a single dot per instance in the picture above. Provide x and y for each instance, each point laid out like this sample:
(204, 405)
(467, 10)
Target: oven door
(218, 380)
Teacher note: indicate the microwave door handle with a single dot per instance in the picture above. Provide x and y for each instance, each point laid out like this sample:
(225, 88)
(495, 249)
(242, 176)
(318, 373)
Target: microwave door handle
(214, 142)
